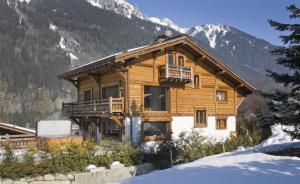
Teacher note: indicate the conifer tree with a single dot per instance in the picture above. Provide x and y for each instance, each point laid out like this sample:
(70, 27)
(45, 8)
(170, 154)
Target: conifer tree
(284, 105)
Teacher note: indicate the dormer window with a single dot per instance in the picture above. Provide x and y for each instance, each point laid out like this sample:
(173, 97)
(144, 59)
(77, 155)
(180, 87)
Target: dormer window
(171, 59)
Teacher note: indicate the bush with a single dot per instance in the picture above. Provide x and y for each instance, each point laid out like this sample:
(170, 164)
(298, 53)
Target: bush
(191, 146)
(123, 152)
(70, 158)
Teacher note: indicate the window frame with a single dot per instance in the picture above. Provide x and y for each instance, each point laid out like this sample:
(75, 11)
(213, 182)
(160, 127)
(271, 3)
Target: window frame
(194, 80)
(167, 99)
(225, 93)
(174, 59)
(83, 94)
(217, 124)
(153, 138)
(178, 60)
(198, 125)
(110, 84)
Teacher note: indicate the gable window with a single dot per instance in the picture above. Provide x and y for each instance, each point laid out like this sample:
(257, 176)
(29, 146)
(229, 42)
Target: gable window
(87, 95)
(171, 59)
(196, 81)
(221, 123)
(221, 95)
(155, 98)
(110, 91)
(154, 131)
(180, 61)
(200, 118)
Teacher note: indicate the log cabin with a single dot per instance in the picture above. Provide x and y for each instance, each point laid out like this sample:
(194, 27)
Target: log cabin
(155, 92)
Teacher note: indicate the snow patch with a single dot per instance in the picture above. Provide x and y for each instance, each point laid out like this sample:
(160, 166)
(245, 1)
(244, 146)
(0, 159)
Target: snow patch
(27, 1)
(126, 9)
(121, 7)
(53, 27)
(211, 31)
(279, 136)
(167, 23)
(73, 57)
(158, 28)
(62, 44)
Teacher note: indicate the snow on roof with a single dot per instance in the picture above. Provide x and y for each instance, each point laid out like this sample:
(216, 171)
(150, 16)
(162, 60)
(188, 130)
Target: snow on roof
(18, 127)
(109, 56)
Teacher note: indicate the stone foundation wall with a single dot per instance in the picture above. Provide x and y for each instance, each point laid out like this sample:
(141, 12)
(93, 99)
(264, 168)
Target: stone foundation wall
(95, 176)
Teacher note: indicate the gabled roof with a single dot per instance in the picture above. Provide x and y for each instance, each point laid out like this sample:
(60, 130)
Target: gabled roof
(17, 129)
(122, 57)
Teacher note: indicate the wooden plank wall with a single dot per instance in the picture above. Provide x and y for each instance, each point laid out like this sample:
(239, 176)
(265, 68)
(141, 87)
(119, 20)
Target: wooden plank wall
(183, 100)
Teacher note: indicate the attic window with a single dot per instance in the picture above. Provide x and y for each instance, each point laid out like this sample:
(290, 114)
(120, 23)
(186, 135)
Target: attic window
(180, 61)
(171, 60)
(221, 95)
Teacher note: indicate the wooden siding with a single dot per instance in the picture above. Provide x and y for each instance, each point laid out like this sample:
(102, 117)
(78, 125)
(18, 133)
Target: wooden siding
(183, 98)
(95, 84)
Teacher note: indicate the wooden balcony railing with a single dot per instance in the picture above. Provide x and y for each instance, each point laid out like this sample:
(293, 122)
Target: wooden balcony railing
(176, 73)
(111, 105)
(18, 141)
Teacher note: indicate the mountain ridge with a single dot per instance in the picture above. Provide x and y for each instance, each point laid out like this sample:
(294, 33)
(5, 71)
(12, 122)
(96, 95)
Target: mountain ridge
(40, 39)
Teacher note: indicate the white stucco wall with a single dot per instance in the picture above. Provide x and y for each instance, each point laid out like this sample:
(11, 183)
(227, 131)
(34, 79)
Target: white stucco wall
(186, 123)
(52, 128)
(136, 128)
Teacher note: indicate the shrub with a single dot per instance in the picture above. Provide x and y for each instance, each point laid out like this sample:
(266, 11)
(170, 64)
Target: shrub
(124, 152)
(102, 161)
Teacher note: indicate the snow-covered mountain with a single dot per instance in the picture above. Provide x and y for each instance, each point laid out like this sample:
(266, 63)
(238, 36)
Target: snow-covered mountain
(40, 39)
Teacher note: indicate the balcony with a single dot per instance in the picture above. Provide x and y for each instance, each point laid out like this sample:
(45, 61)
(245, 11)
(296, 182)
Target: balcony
(94, 107)
(176, 74)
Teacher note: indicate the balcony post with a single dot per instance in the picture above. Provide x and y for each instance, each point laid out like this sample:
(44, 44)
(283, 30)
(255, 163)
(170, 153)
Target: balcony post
(110, 104)
(167, 70)
(181, 74)
(94, 105)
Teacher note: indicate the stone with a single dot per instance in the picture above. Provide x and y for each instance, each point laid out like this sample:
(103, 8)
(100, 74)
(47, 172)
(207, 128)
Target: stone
(49, 177)
(61, 177)
(70, 177)
(6, 181)
(90, 178)
(90, 167)
(20, 182)
(50, 182)
(37, 178)
(116, 164)
(98, 169)
(144, 169)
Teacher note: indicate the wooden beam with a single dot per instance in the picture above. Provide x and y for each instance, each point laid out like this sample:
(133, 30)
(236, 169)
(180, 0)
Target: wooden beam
(221, 72)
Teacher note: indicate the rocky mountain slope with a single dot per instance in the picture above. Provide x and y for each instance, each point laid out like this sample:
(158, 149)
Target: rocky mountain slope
(42, 38)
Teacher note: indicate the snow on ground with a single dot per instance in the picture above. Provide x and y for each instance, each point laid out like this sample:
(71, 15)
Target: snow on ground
(247, 166)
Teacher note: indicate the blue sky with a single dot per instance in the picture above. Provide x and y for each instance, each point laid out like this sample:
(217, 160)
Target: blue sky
(247, 15)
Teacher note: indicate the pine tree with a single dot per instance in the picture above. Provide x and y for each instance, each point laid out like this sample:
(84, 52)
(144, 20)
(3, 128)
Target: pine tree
(284, 105)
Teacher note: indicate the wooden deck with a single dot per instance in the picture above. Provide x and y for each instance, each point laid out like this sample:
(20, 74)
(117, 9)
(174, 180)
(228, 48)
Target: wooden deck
(111, 105)
(175, 73)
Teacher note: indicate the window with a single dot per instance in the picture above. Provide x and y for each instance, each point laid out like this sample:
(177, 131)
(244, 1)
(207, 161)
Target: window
(180, 61)
(221, 123)
(171, 60)
(221, 95)
(87, 95)
(200, 119)
(155, 98)
(111, 91)
(153, 131)
(196, 81)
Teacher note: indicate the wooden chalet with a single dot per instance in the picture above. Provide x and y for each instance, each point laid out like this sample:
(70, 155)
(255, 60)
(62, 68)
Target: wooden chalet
(156, 91)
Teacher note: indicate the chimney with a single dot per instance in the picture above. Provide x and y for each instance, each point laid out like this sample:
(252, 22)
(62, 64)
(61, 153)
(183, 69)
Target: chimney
(167, 34)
